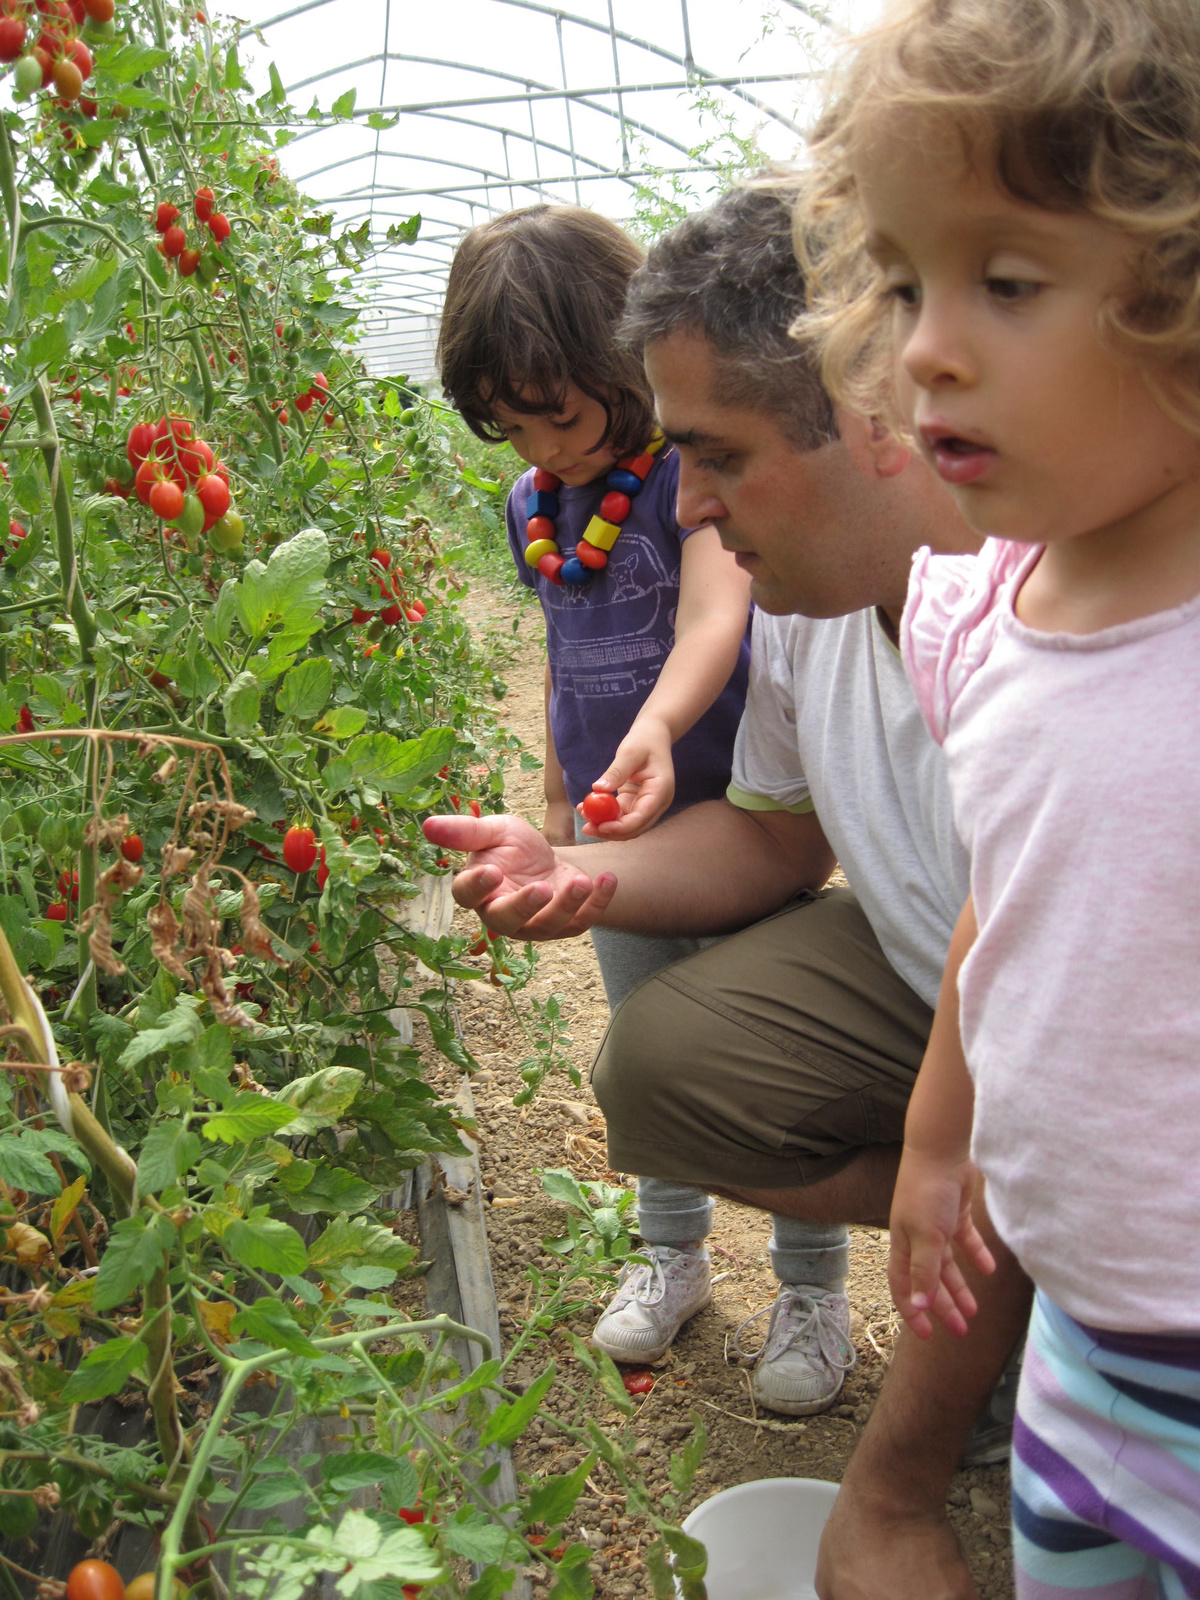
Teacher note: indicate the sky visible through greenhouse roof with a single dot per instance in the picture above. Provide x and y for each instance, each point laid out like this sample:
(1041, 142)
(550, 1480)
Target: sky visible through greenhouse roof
(483, 105)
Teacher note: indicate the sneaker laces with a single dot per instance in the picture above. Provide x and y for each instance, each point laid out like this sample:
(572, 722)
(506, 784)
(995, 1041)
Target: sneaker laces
(799, 1317)
(643, 1283)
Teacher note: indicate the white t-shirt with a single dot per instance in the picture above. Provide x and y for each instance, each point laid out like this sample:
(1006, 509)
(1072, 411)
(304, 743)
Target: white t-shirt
(832, 724)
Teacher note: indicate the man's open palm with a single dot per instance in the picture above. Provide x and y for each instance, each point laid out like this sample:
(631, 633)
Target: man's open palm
(517, 883)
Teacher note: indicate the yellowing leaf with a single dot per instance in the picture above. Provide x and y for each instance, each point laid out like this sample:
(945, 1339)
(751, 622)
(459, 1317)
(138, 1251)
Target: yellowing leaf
(216, 1315)
(64, 1208)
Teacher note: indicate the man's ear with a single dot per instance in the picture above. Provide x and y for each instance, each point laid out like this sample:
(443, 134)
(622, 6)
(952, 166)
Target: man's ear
(889, 455)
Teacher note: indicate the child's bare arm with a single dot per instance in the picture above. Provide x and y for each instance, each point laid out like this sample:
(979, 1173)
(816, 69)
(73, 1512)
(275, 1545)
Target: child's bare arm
(558, 825)
(710, 623)
(931, 1207)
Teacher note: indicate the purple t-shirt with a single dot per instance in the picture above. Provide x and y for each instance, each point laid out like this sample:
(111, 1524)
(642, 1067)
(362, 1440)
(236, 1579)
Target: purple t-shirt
(607, 641)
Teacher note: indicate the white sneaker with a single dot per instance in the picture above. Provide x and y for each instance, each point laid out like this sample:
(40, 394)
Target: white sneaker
(653, 1301)
(807, 1353)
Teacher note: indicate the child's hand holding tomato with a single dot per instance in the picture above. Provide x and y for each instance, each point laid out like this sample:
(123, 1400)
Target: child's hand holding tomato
(641, 782)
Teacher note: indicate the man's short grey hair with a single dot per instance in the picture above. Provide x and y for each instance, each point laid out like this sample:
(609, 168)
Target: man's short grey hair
(730, 273)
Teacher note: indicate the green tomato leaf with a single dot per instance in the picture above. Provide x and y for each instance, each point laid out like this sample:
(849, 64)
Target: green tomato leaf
(104, 1370)
(319, 1099)
(357, 1241)
(305, 689)
(553, 1499)
(267, 1244)
(250, 1117)
(135, 1251)
(384, 763)
(179, 1026)
(474, 1536)
(168, 1152)
(273, 1324)
(22, 1167)
(509, 1420)
(343, 722)
(242, 704)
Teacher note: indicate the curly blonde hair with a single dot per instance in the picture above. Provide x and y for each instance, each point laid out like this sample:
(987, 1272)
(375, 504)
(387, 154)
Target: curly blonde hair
(1082, 105)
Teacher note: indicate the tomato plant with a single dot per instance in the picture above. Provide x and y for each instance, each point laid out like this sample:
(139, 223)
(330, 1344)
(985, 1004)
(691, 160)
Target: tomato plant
(214, 509)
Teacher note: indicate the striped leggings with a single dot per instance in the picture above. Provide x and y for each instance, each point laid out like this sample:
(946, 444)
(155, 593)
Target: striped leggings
(1106, 1463)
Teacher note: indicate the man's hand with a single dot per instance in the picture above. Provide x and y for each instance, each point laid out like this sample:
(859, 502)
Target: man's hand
(872, 1553)
(516, 881)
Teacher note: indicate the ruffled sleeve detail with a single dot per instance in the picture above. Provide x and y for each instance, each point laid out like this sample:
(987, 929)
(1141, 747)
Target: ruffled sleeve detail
(950, 616)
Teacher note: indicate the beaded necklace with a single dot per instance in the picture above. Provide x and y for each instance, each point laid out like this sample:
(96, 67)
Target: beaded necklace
(624, 482)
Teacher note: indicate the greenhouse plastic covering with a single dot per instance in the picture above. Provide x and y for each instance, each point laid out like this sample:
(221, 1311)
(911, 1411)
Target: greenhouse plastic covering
(457, 110)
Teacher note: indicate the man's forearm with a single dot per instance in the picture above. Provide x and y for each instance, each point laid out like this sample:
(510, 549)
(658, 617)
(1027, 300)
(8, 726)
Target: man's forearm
(709, 869)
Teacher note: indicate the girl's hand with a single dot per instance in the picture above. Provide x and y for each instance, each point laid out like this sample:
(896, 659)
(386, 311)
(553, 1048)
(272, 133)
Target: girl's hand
(931, 1214)
(642, 775)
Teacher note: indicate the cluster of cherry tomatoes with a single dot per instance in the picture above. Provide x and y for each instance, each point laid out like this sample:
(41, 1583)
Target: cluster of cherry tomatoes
(177, 476)
(391, 591)
(173, 240)
(316, 395)
(56, 55)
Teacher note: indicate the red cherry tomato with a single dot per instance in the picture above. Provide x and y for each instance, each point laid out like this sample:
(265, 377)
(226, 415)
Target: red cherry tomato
(412, 614)
(57, 912)
(213, 494)
(132, 847)
(12, 38)
(600, 806)
(166, 499)
(639, 1380)
(203, 204)
(25, 722)
(165, 216)
(411, 1515)
(359, 615)
(189, 260)
(139, 443)
(299, 848)
(174, 240)
(218, 226)
(95, 1580)
(69, 880)
(475, 809)
(381, 558)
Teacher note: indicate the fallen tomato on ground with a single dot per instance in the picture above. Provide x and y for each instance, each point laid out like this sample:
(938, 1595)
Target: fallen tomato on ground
(638, 1380)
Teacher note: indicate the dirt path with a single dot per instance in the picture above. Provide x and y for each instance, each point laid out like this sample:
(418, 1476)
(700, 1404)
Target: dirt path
(565, 1128)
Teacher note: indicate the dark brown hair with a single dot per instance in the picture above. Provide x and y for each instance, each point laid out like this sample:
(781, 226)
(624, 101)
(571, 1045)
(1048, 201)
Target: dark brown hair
(532, 304)
(730, 274)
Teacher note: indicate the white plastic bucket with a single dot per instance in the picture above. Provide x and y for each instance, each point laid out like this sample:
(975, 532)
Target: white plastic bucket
(762, 1538)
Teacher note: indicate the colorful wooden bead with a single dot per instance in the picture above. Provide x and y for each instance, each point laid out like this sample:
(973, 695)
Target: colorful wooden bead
(615, 507)
(539, 548)
(539, 528)
(545, 480)
(590, 556)
(550, 567)
(625, 482)
(600, 533)
(656, 443)
(574, 572)
(639, 466)
(542, 503)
